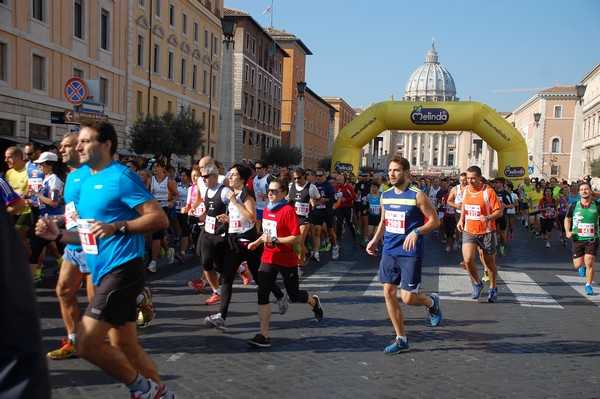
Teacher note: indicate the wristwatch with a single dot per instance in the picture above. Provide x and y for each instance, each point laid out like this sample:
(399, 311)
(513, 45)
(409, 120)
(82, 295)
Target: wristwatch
(122, 230)
(417, 232)
(273, 239)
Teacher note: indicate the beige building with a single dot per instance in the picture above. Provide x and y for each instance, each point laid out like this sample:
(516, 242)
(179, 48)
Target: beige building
(176, 61)
(257, 84)
(546, 121)
(318, 128)
(43, 44)
(591, 118)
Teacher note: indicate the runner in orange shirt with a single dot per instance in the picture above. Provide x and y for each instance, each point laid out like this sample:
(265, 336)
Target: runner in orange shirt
(479, 209)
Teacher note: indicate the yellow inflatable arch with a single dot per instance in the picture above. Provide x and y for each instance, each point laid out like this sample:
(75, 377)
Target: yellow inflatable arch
(433, 116)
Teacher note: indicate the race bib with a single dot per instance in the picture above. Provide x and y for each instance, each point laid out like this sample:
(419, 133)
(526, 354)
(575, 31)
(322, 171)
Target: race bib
(70, 215)
(395, 222)
(270, 228)
(302, 208)
(88, 241)
(375, 210)
(209, 224)
(235, 223)
(35, 183)
(179, 204)
(472, 212)
(586, 230)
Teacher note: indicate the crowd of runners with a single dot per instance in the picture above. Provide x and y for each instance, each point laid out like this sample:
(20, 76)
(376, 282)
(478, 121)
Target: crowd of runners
(108, 223)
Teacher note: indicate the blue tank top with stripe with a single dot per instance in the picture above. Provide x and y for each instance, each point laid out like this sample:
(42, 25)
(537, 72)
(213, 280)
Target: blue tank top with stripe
(402, 216)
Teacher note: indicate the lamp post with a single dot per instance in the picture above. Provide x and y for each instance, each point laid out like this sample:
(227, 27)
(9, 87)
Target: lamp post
(332, 112)
(300, 120)
(575, 167)
(229, 148)
(538, 142)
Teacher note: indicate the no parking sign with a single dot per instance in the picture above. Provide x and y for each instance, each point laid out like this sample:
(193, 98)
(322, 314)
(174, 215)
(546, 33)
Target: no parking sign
(75, 91)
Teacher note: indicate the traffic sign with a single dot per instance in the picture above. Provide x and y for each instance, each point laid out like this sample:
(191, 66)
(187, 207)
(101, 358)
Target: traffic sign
(75, 118)
(75, 91)
(57, 117)
(92, 107)
(531, 170)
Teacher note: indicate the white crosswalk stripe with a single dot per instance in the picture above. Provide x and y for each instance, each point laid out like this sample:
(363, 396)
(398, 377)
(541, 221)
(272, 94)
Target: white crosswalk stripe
(327, 277)
(578, 284)
(527, 291)
(454, 284)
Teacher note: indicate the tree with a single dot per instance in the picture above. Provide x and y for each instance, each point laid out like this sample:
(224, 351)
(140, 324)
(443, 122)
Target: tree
(595, 167)
(167, 134)
(325, 163)
(282, 155)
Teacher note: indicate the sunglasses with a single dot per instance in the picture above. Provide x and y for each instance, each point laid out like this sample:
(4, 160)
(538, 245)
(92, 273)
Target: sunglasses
(205, 176)
(273, 191)
(319, 175)
(297, 178)
(258, 167)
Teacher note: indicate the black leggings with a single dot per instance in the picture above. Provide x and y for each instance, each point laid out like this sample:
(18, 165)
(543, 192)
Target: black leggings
(267, 275)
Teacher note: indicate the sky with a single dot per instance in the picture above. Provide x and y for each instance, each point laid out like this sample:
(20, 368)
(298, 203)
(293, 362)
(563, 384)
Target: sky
(499, 52)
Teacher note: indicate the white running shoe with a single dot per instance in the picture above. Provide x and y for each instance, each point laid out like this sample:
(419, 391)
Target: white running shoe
(335, 252)
(171, 255)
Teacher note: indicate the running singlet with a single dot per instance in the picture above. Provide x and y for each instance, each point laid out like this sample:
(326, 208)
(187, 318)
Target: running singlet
(237, 222)
(480, 203)
(160, 191)
(449, 211)
(534, 198)
(261, 185)
(18, 181)
(374, 205)
(35, 181)
(458, 198)
(433, 196)
(325, 190)
(548, 208)
(216, 204)
(183, 193)
(585, 221)
(300, 198)
(72, 194)
(52, 187)
(402, 216)
(111, 195)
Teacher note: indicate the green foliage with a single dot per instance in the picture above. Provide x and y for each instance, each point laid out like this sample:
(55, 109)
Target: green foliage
(282, 155)
(325, 163)
(167, 134)
(595, 167)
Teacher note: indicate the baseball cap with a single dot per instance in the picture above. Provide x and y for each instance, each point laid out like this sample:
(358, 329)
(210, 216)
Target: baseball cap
(47, 156)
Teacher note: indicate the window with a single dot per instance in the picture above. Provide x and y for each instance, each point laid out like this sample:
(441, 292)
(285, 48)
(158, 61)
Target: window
(39, 131)
(169, 106)
(142, 3)
(7, 127)
(214, 85)
(195, 77)
(252, 77)
(77, 73)
(3, 61)
(172, 15)
(183, 70)
(154, 105)
(196, 31)
(246, 75)
(206, 39)
(204, 81)
(37, 9)
(139, 102)
(38, 72)
(215, 45)
(555, 145)
(554, 170)
(171, 60)
(156, 60)
(558, 111)
(78, 19)
(140, 50)
(103, 91)
(450, 159)
(184, 24)
(157, 8)
(104, 29)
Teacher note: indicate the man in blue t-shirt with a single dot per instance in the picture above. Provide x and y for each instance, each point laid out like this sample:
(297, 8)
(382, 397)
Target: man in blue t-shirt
(115, 211)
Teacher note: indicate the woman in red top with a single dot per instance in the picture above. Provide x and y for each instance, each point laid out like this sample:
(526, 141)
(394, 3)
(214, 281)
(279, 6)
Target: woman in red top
(280, 233)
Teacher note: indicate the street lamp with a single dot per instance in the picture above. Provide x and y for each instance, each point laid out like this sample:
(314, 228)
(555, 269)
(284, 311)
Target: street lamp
(580, 92)
(229, 27)
(229, 147)
(301, 85)
(536, 117)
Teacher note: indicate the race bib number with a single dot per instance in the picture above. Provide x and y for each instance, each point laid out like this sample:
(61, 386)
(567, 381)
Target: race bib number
(302, 208)
(472, 212)
(235, 223)
(375, 210)
(70, 215)
(179, 204)
(395, 222)
(209, 224)
(35, 183)
(270, 228)
(88, 241)
(586, 230)
(450, 210)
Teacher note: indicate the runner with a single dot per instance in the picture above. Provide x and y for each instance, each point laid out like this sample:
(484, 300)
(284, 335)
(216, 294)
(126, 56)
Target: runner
(479, 209)
(280, 232)
(303, 197)
(115, 211)
(403, 212)
(261, 184)
(345, 195)
(506, 203)
(12, 201)
(323, 214)
(581, 224)
(548, 212)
